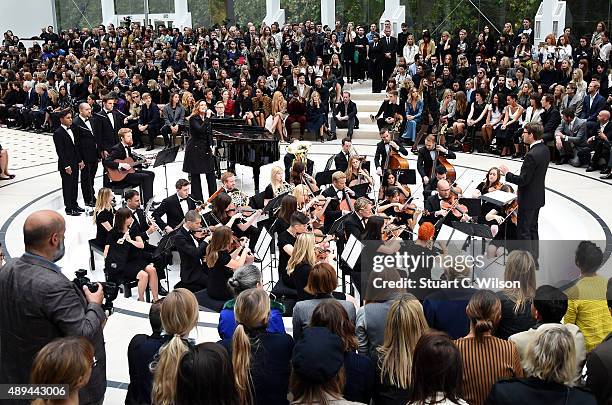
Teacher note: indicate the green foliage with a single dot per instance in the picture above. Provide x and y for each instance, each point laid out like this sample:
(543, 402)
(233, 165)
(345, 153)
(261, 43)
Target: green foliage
(69, 16)
(300, 10)
(249, 10)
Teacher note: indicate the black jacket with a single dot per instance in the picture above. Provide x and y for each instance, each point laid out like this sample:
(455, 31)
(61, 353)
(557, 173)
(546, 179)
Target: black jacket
(550, 121)
(171, 207)
(117, 152)
(381, 154)
(530, 181)
(350, 110)
(192, 256)
(535, 391)
(425, 162)
(141, 352)
(86, 140)
(198, 152)
(390, 47)
(341, 161)
(353, 226)
(150, 116)
(67, 152)
(107, 133)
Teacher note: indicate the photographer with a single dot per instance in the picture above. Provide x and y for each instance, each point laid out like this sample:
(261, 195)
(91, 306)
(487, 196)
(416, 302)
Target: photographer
(38, 304)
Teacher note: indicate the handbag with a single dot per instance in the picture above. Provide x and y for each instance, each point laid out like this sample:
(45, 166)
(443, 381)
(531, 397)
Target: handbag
(356, 56)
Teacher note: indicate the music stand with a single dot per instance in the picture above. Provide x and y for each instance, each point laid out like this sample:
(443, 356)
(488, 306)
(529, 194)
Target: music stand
(274, 203)
(407, 176)
(164, 248)
(338, 224)
(164, 157)
(361, 190)
(473, 230)
(261, 249)
(324, 177)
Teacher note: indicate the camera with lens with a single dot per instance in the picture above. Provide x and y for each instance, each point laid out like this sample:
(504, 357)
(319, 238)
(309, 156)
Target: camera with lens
(110, 289)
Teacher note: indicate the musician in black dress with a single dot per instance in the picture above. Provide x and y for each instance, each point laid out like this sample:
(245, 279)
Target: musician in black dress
(68, 163)
(286, 240)
(392, 207)
(199, 158)
(389, 180)
(503, 223)
(123, 150)
(174, 207)
(491, 183)
(383, 148)
(288, 206)
(191, 245)
(85, 127)
(428, 154)
(103, 216)
(222, 261)
(124, 261)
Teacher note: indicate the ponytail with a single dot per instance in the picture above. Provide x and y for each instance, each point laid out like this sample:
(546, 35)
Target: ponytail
(241, 361)
(166, 370)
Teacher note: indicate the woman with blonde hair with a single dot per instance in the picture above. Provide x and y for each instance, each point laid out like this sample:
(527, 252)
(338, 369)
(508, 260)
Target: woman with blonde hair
(551, 371)
(300, 264)
(316, 116)
(404, 326)
(188, 102)
(275, 123)
(67, 360)
(485, 358)
(179, 316)
(578, 80)
(103, 215)
(516, 302)
(261, 360)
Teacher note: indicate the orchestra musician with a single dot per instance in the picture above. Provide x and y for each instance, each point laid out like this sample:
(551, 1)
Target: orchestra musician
(491, 183)
(302, 195)
(103, 216)
(390, 180)
(342, 158)
(299, 176)
(428, 154)
(191, 245)
(108, 126)
(392, 207)
(432, 186)
(338, 192)
(355, 174)
(68, 163)
(85, 130)
(383, 148)
(297, 151)
(124, 260)
(503, 223)
(123, 150)
(174, 207)
(355, 223)
(286, 240)
(199, 158)
(277, 185)
(438, 215)
(530, 182)
(288, 206)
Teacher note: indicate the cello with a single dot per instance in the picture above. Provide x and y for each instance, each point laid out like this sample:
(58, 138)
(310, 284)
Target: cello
(451, 174)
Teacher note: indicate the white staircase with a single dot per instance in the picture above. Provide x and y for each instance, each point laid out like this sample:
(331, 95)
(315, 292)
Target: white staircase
(367, 103)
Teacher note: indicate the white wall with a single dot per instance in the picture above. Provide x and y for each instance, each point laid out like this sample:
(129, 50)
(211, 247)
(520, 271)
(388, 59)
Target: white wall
(26, 17)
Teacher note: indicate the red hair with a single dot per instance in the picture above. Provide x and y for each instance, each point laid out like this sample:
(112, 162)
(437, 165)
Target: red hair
(426, 231)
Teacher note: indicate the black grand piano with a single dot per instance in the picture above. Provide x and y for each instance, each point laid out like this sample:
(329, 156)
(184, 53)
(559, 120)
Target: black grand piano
(248, 145)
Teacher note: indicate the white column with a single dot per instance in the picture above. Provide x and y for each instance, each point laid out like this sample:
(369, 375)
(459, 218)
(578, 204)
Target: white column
(108, 11)
(328, 13)
(274, 13)
(181, 14)
(394, 13)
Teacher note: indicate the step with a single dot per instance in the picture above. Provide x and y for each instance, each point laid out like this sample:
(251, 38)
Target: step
(370, 106)
(368, 96)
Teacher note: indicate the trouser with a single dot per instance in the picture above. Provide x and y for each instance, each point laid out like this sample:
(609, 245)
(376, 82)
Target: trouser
(37, 118)
(88, 175)
(388, 66)
(349, 124)
(144, 179)
(527, 230)
(602, 152)
(167, 132)
(301, 119)
(375, 72)
(196, 185)
(136, 134)
(152, 134)
(70, 188)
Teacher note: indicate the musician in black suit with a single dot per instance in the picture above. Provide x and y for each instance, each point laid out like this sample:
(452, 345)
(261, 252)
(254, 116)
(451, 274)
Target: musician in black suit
(530, 182)
(389, 49)
(68, 163)
(198, 152)
(355, 223)
(434, 211)
(174, 207)
(84, 128)
(191, 247)
(382, 151)
(342, 158)
(108, 127)
(427, 155)
(338, 192)
(123, 150)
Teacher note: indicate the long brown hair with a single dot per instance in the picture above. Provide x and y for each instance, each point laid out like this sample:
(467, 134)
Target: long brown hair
(321, 279)
(179, 315)
(221, 238)
(252, 310)
(220, 204)
(63, 361)
(332, 315)
(288, 207)
(484, 312)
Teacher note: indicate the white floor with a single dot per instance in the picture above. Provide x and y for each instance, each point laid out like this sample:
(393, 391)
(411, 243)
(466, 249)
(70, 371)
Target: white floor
(577, 208)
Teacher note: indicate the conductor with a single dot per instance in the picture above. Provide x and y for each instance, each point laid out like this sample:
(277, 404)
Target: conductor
(530, 181)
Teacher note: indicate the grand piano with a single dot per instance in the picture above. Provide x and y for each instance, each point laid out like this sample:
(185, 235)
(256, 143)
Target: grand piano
(248, 145)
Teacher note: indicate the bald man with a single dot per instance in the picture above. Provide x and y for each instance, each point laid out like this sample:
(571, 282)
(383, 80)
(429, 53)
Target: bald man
(38, 304)
(87, 141)
(435, 214)
(600, 139)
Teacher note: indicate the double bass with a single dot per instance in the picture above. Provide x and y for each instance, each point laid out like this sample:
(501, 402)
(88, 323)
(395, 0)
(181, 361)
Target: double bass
(440, 160)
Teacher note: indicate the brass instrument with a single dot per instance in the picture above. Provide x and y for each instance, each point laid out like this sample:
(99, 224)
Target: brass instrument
(284, 188)
(300, 150)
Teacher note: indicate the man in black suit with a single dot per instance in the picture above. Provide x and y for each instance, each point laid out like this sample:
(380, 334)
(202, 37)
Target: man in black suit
(382, 151)
(428, 154)
(123, 150)
(68, 163)
(390, 111)
(342, 158)
(551, 118)
(344, 116)
(108, 127)
(530, 182)
(338, 192)
(389, 49)
(191, 247)
(600, 142)
(355, 223)
(174, 207)
(433, 207)
(84, 129)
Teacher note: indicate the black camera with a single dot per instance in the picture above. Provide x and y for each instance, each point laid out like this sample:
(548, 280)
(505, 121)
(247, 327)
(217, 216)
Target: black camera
(111, 290)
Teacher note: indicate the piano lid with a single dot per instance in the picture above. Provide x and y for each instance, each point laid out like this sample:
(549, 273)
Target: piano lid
(236, 130)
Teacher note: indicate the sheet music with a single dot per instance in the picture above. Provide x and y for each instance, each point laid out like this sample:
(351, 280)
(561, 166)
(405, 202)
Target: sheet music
(352, 251)
(263, 243)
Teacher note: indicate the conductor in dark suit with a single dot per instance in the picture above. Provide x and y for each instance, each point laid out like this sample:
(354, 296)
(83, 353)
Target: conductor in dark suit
(84, 128)
(530, 182)
(123, 150)
(389, 49)
(39, 304)
(69, 163)
(191, 247)
(383, 149)
(174, 207)
(199, 157)
(427, 155)
(342, 158)
(109, 123)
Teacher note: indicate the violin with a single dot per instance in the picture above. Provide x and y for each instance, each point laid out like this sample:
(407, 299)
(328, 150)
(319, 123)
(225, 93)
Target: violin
(511, 210)
(451, 204)
(392, 231)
